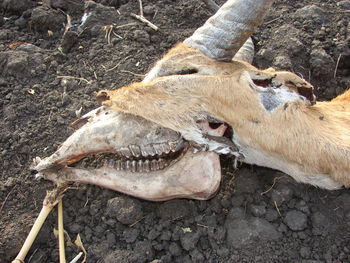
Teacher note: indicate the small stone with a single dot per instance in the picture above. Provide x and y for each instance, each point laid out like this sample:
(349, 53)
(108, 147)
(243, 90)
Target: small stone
(258, 210)
(130, 235)
(174, 249)
(125, 209)
(142, 36)
(148, 10)
(282, 62)
(271, 215)
(296, 220)
(345, 4)
(322, 64)
(189, 240)
(153, 234)
(282, 193)
(305, 252)
(310, 11)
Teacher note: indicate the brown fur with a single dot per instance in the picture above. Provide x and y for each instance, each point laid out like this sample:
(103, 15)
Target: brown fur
(315, 139)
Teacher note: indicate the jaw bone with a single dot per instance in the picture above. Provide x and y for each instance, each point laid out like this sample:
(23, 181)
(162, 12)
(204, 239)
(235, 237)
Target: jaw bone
(148, 161)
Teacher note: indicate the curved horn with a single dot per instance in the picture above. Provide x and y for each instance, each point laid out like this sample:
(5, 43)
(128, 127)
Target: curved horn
(225, 32)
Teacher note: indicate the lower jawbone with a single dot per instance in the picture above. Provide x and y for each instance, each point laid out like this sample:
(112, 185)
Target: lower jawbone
(128, 154)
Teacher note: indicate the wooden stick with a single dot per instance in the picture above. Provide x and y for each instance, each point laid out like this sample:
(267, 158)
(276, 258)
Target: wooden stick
(61, 233)
(51, 199)
(144, 20)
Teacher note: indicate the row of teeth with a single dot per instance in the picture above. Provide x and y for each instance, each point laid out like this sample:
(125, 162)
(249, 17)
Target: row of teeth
(154, 149)
(138, 166)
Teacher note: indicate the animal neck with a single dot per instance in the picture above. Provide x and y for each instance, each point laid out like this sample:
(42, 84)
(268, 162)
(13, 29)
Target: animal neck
(311, 143)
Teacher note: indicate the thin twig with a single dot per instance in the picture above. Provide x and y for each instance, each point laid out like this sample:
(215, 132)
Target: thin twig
(7, 197)
(141, 8)
(144, 20)
(271, 21)
(72, 77)
(137, 221)
(273, 184)
(133, 73)
(129, 24)
(76, 258)
(118, 64)
(277, 209)
(336, 66)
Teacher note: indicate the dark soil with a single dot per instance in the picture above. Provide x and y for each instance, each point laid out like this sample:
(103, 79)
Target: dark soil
(259, 215)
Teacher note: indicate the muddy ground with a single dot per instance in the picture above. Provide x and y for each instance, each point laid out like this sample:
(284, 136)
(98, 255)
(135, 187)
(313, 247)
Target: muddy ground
(259, 215)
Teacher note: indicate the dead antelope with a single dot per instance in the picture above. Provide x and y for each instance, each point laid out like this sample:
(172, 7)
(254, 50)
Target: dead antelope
(166, 132)
(162, 137)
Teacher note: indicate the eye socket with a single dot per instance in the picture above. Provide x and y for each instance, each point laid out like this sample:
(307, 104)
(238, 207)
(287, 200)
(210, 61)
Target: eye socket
(186, 71)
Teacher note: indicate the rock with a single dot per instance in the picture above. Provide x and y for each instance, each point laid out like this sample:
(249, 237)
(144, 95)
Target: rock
(322, 64)
(125, 209)
(345, 4)
(175, 249)
(247, 182)
(305, 252)
(241, 232)
(130, 234)
(149, 10)
(69, 6)
(189, 240)
(258, 210)
(296, 220)
(197, 256)
(321, 223)
(16, 7)
(142, 36)
(44, 19)
(282, 193)
(68, 41)
(16, 63)
(143, 252)
(99, 16)
(271, 215)
(117, 256)
(282, 62)
(174, 209)
(309, 11)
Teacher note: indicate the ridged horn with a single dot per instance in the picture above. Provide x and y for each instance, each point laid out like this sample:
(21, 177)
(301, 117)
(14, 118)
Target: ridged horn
(224, 33)
(246, 52)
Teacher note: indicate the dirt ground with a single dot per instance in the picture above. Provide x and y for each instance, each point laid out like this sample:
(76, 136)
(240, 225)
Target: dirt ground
(259, 215)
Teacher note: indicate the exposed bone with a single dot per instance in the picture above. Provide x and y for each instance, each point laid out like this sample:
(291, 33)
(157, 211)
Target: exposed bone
(224, 33)
(199, 179)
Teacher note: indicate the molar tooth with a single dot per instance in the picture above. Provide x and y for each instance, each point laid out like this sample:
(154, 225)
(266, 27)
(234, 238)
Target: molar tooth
(147, 150)
(133, 166)
(161, 163)
(118, 165)
(110, 163)
(158, 148)
(128, 164)
(125, 152)
(146, 166)
(140, 166)
(154, 165)
(172, 145)
(135, 150)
